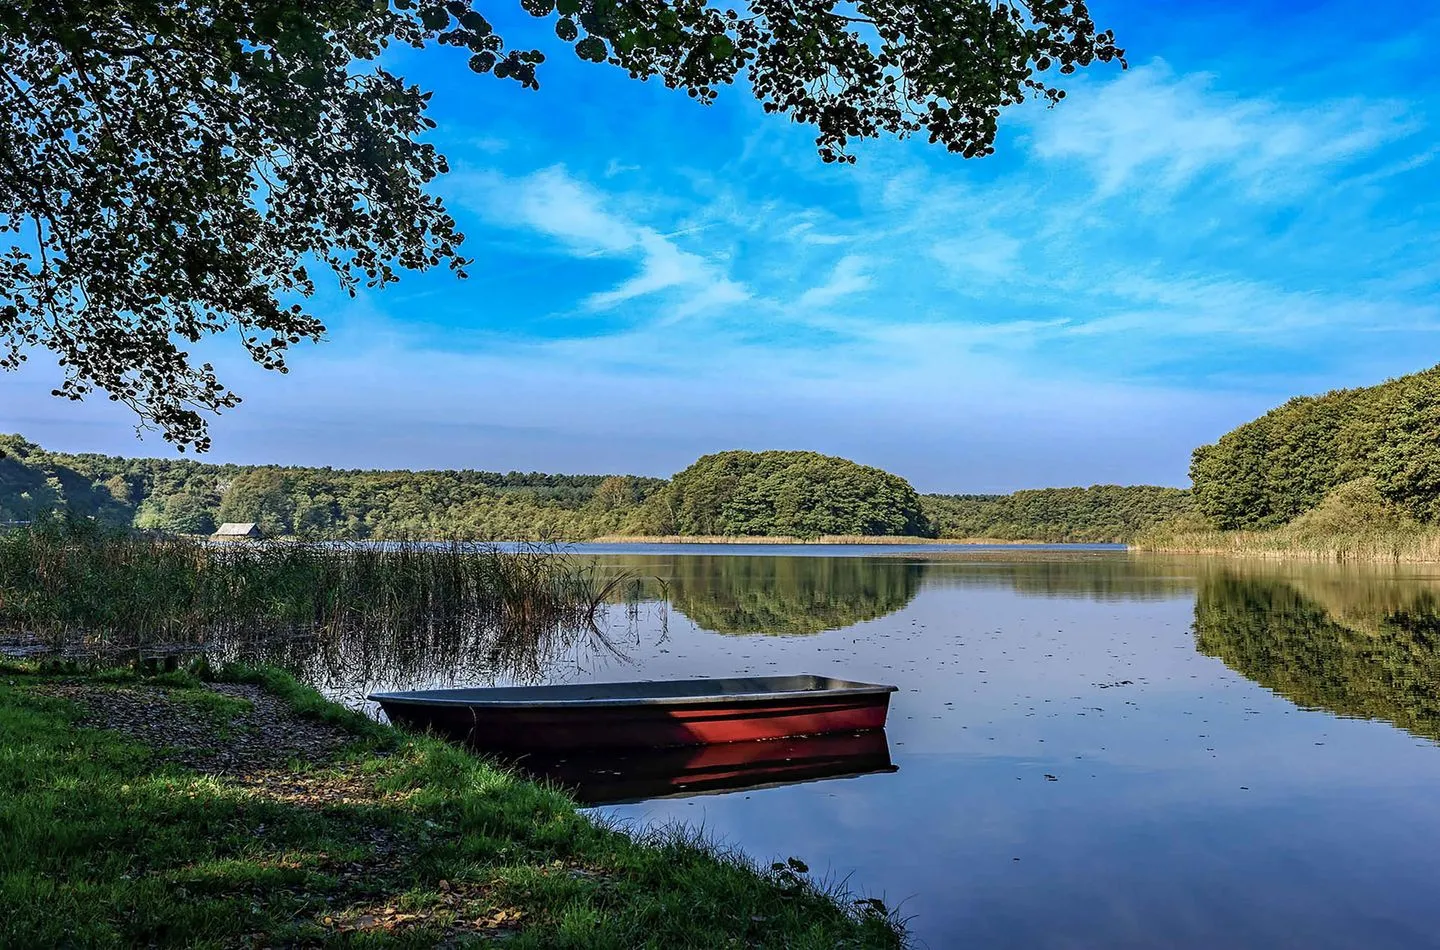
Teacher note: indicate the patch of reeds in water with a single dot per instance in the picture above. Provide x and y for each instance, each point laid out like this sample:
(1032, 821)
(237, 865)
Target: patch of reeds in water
(78, 589)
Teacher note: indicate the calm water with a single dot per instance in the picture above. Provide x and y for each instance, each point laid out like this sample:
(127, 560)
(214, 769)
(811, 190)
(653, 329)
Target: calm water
(1088, 749)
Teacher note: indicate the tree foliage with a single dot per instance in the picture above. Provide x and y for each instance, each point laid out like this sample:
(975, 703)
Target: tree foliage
(183, 496)
(801, 494)
(171, 171)
(795, 494)
(1270, 471)
(1100, 513)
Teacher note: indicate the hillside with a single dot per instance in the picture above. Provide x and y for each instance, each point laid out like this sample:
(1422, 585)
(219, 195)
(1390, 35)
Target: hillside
(1385, 439)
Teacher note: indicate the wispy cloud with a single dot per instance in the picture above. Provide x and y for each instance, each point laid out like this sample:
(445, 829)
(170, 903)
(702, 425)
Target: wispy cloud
(1154, 129)
(554, 203)
(848, 278)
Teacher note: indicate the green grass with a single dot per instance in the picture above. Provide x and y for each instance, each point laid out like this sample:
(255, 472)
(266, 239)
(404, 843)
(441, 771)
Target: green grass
(104, 843)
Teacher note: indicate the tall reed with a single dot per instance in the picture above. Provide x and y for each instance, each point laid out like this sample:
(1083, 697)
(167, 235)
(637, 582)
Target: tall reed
(1406, 544)
(80, 588)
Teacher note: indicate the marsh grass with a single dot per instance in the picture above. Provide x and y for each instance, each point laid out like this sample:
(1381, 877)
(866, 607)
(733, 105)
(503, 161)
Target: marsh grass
(1353, 523)
(84, 590)
(1420, 545)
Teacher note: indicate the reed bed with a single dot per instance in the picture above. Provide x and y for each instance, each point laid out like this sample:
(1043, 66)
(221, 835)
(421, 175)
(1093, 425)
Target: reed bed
(1410, 544)
(78, 588)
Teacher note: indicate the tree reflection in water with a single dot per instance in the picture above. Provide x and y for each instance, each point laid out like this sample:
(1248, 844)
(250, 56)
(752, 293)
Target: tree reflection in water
(1358, 643)
(789, 595)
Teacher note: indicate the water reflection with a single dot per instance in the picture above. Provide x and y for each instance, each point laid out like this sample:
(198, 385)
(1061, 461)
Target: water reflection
(1360, 644)
(789, 595)
(1103, 577)
(703, 770)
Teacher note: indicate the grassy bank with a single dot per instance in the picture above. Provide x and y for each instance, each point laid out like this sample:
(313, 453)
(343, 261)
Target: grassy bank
(251, 812)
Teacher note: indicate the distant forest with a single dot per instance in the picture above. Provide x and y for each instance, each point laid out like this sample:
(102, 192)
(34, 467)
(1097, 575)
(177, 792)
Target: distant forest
(1095, 514)
(799, 494)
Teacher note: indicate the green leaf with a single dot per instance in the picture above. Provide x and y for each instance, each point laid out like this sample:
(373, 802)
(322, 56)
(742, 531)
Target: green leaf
(591, 48)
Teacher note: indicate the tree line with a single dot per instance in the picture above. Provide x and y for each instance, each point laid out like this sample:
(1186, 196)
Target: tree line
(795, 494)
(186, 497)
(1100, 513)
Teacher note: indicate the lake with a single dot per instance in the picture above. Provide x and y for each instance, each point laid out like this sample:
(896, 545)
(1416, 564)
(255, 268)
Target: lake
(1089, 748)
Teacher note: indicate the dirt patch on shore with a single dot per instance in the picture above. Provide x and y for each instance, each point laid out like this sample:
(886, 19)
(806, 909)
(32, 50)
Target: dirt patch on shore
(234, 730)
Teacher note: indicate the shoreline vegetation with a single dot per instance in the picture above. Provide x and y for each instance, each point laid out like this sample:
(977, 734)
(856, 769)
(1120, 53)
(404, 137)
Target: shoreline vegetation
(80, 588)
(750, 494)
(1355, 521)
(1402, 547)
(1350, 475)
(238, 807)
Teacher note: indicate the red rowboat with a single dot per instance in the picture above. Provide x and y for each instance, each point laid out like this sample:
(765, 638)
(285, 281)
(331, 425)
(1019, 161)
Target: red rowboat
(643, 774)
(642, 715)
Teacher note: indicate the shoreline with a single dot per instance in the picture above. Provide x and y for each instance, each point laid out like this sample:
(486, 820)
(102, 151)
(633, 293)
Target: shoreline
(822, 540)
(243, 807)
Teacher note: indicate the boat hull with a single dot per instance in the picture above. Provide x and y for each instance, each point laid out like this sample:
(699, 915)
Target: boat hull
(643, 722)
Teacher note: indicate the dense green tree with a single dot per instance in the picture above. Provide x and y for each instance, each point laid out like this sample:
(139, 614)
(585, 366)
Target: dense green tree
(173, 170)
(1270, 471)
(185, 513)
(1100, 513)
(260, 496)
(34, 484)
(797, 494)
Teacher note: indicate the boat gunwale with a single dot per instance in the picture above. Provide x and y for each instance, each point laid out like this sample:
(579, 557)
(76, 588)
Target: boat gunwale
(418, 697)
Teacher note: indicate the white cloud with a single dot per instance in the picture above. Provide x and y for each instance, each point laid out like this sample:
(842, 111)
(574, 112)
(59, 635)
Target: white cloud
(986, 253)
(1152, 129)
(663, 266)
(556, 204)
(552, 202)
(847, 278)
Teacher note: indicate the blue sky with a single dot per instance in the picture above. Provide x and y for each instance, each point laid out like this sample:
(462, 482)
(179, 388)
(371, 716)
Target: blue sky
(1248, 213)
